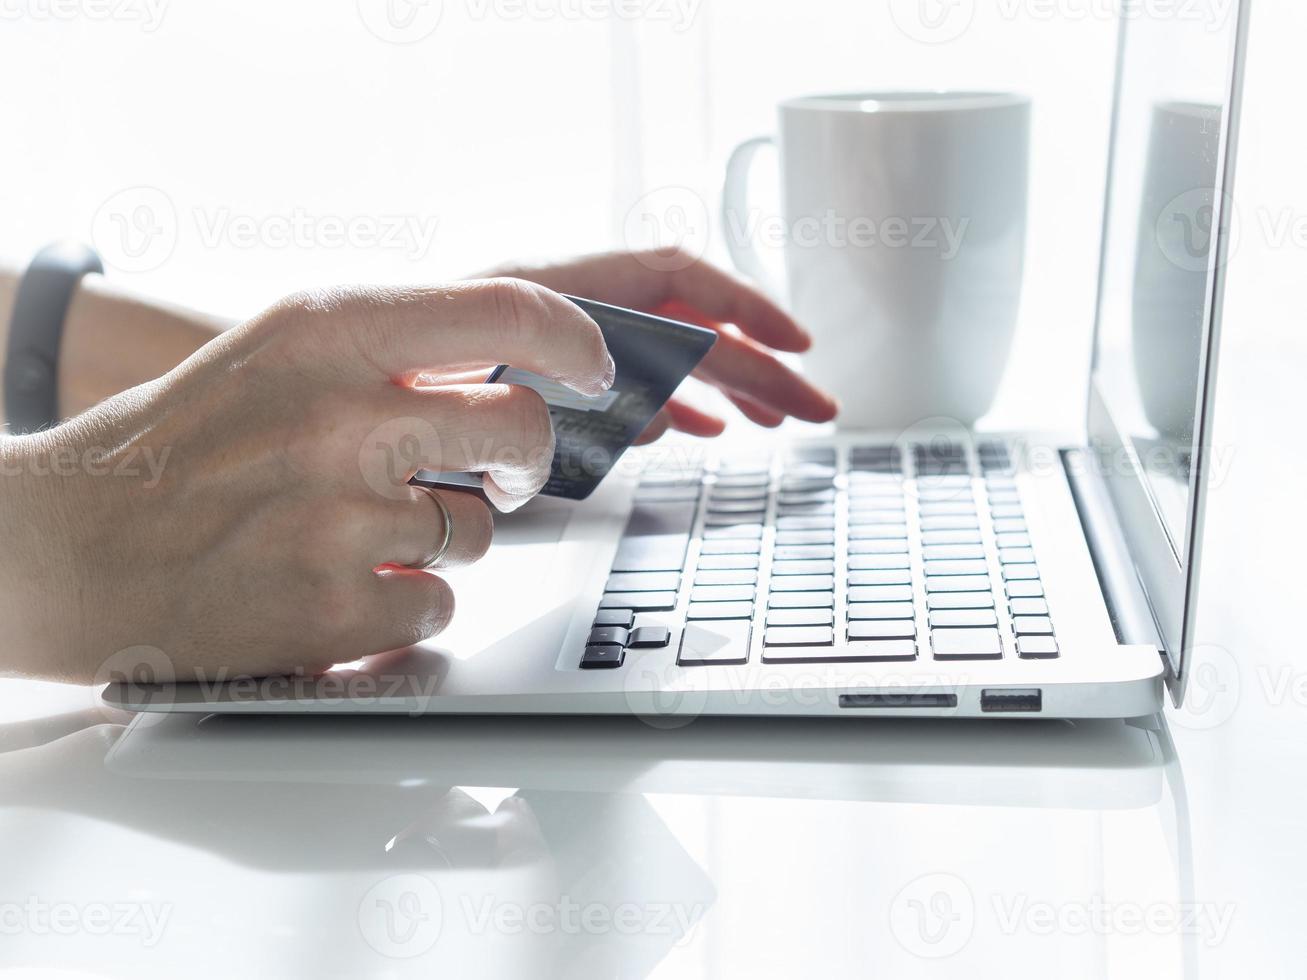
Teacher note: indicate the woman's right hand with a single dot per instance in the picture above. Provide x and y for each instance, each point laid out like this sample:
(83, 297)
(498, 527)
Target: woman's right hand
(249, 513)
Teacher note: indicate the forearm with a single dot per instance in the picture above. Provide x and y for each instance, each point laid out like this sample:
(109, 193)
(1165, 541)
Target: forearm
(112, 339)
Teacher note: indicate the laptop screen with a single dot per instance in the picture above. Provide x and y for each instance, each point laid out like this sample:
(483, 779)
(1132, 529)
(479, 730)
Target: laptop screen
(1164, 239)
(1161, 214)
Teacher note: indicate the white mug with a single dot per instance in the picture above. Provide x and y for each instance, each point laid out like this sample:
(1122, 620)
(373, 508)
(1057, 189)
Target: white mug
(903, 232)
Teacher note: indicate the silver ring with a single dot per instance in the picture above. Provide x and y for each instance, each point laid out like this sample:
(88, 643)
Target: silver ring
(449, 528)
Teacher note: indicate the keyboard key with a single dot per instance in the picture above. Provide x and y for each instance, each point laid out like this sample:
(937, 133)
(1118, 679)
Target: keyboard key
(854, 651)
(719, 492)
(1012, 540)
(721, 562)
(804, 523)
(950, 508)
(639, 601)
(731, 520)
(643, 582)
(943, 494)
(964, 536)
(805, 510)
(655, 538)
(1016, 556)
(873, 650)
(805, 537)
(952, 523)
(960, 600)
(803, 583)
(732, 532)
(714, 643)
(865, 532)
(1006, 512)
(877, 515)
(1028, 607)
(609, 634)
(880, 593)
(957, 583)
(800, 617)
(889, 546)
(796, 485)
(615, 617)
(858, 563)
(881, 576)
(961, 567)
(798, 636)
(650, 637)
(739, 576)
(1036, 647)
(803, 552)
(606, 655)
(801, 600)
(1009, 525)
(952, 552)
(732, 506)
(823, 567)
(720, 610)
(1028, 588)
(731, 546)
(722, 593)
(1004, 498)
(1016, 573)
(808, 497)
(881, 610)
(1032, 626)
(962, 617)
(882, 629)
(966, 644)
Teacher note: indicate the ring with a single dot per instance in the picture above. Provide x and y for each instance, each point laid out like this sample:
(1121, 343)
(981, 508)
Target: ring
(449, 527)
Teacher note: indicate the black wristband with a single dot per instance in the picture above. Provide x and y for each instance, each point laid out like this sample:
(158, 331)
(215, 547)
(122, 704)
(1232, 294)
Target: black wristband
(36, 329)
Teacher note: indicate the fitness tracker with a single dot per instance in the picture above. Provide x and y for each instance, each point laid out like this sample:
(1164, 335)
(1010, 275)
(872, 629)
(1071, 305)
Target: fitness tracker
(35, 331)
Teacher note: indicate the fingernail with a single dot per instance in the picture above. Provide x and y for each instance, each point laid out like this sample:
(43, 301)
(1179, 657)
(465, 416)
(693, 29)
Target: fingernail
(610, 374)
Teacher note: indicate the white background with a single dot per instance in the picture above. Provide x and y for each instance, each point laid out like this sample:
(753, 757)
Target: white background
(521, 128)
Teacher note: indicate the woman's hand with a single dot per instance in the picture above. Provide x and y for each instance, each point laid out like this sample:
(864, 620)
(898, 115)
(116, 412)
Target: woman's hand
(250, 513)
(741, 364)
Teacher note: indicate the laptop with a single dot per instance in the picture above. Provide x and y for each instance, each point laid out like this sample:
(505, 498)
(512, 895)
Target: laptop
(934, 573)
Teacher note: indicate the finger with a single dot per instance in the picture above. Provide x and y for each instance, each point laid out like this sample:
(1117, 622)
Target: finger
(655, 429)
(744, 368)
(692, 420)
(445, 329)
(410, 532)
(698, 292)
(707, 291)
(406, 606)
(756, 413)
(502, 431)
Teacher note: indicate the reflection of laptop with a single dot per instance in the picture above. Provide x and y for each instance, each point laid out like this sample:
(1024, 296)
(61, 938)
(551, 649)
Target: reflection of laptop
(932, 572)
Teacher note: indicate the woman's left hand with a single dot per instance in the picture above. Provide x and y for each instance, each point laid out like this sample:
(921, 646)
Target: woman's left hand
(750, 329)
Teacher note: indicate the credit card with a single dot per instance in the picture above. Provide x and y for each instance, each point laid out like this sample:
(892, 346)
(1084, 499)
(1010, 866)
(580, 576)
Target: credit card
(653, 356)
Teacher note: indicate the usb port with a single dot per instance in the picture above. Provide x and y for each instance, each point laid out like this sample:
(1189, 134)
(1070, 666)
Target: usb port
(1011, 699)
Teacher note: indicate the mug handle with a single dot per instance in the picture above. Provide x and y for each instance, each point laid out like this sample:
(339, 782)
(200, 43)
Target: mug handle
(735, 202)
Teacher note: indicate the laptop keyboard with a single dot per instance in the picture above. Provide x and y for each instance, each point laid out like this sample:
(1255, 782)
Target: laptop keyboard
(824, 554)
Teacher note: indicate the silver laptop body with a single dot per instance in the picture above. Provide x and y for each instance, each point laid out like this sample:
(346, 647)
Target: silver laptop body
(930, 573)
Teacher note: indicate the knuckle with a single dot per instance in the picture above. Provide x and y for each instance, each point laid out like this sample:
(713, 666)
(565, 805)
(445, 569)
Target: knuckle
(480, 530)
(519, 306)
(435, 606)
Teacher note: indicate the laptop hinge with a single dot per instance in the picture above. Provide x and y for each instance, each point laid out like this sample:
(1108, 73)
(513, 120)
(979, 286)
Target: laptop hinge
(1127, 602)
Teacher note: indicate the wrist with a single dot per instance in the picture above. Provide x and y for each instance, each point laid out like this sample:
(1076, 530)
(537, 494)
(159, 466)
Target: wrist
(36, 549)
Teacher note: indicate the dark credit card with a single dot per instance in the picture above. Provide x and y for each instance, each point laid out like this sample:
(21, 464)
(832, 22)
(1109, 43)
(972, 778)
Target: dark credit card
(653, 356)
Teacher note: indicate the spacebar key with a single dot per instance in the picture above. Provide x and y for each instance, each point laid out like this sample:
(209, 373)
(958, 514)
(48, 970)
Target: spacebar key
(656, 537)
